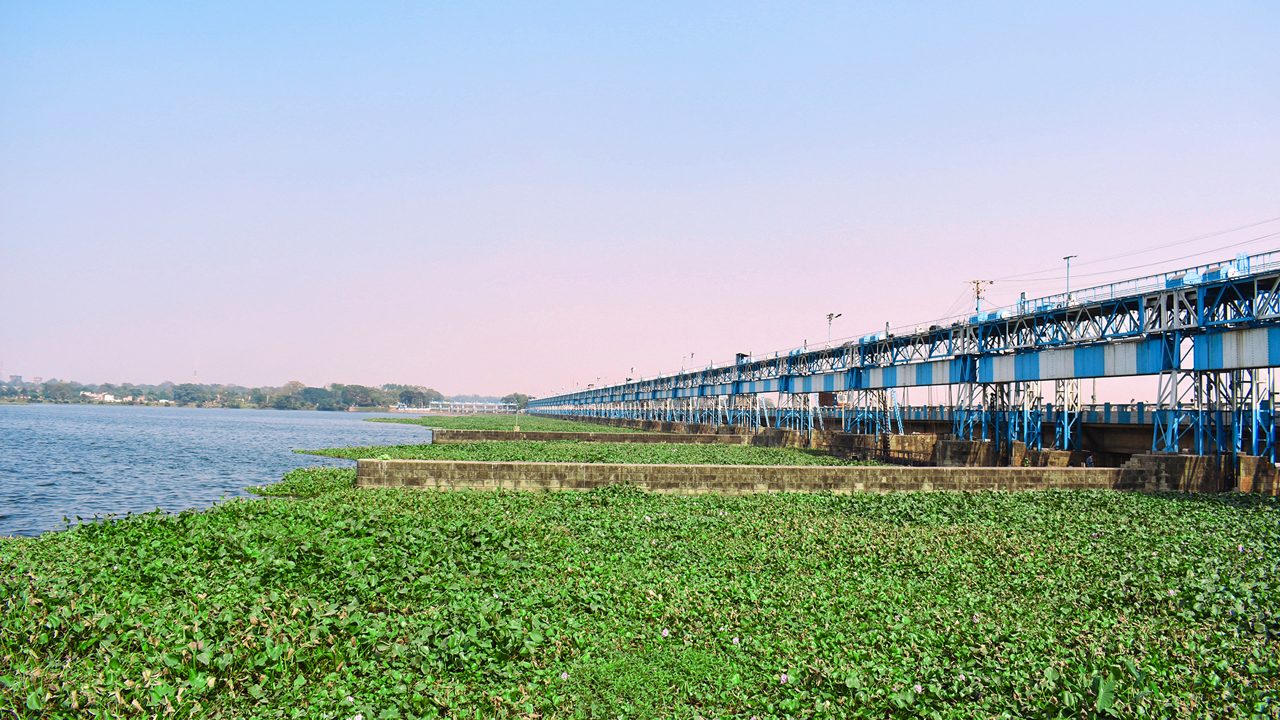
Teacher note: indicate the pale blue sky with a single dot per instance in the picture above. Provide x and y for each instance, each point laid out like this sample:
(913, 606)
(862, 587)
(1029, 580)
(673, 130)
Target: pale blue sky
(515, 197)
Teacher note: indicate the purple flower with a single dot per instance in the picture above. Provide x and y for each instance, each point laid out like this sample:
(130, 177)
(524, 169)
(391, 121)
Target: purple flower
(735, 641)
(1172, 592)
(784, 678)
(564, 676)
(918, 689)
(665, 633)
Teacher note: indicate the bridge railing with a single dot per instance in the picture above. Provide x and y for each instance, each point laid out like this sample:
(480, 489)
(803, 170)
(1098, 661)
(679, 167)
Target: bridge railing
(1098, 413)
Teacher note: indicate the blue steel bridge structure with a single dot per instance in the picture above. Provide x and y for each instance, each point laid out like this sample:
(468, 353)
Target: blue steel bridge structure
(1211, 334)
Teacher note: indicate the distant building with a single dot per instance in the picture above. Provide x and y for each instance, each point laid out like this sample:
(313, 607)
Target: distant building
(15, 379)
(37, 379)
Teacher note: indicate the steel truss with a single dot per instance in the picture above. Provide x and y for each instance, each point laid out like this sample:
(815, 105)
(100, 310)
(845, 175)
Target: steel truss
(1166, 311)
(1217, 413)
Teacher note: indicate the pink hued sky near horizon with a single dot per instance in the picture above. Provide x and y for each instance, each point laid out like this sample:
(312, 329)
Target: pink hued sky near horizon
(489, 201)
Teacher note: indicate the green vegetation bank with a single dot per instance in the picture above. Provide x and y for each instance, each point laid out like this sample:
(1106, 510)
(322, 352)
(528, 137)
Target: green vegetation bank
(527, 423)
(328, 602)
(573, 451)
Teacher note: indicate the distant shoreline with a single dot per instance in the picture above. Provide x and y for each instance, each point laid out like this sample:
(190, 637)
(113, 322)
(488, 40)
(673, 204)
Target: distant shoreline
(191, 407)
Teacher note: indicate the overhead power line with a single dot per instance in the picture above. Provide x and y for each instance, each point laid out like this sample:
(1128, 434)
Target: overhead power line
(1151, 248)
(1220, 248)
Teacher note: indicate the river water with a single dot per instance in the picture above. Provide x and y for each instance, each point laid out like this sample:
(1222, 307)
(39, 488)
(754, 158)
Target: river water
(61, 461)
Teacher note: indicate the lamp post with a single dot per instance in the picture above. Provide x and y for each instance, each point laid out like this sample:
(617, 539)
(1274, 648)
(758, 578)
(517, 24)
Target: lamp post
(830, 318)
(1068, 259)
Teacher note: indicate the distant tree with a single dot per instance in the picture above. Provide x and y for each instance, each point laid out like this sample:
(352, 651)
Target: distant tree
(358, 395)
(288, 402)
(315, 395)
(520, 399)
(60, 392)
(413, 398)
(192, 394)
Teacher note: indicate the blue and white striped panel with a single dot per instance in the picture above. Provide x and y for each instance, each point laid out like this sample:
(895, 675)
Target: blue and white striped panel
(1236, 349)
(874, 378)
(938, 372)
(996, 369)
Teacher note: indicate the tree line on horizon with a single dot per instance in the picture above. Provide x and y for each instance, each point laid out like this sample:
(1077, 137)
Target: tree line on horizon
(292, 395)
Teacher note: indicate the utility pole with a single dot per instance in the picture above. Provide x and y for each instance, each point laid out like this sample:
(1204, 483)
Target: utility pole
(830, 318)
(977, 293)
(1068, 259)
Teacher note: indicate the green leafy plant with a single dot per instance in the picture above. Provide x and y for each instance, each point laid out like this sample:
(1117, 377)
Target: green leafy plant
(527, 423)
(571, 451)
(332, 601)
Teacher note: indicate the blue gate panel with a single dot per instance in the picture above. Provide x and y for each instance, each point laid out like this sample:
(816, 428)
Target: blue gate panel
(1151, 357)
(1207, 352)
(1026, 366)
(962, 370)
(890, 377)
(1090, 361)
(924, 374)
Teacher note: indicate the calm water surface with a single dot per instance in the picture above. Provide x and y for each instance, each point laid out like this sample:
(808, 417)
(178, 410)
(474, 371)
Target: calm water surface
(61, 461)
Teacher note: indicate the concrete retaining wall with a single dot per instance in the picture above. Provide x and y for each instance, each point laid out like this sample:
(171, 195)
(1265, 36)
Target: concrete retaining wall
(1183, 473)
(919, 449)
(1023, 457)
(728, 479)
(456, 436)
(1258, 475)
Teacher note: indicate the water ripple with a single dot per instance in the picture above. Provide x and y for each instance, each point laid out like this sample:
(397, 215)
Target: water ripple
(84, 461)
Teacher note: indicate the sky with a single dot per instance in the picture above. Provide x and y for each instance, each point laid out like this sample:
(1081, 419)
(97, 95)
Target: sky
(494, 198)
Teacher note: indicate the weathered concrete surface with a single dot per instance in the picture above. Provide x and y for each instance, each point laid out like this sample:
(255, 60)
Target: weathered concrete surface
(1258, 475)
(1172, 472)
(1111, 444)
(1021, 456)
(730, 479)
(1183, 473)
(443, 435)
(966, 453)
(919, 449)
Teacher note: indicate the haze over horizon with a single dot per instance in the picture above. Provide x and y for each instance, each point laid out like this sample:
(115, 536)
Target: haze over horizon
(492, 201)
